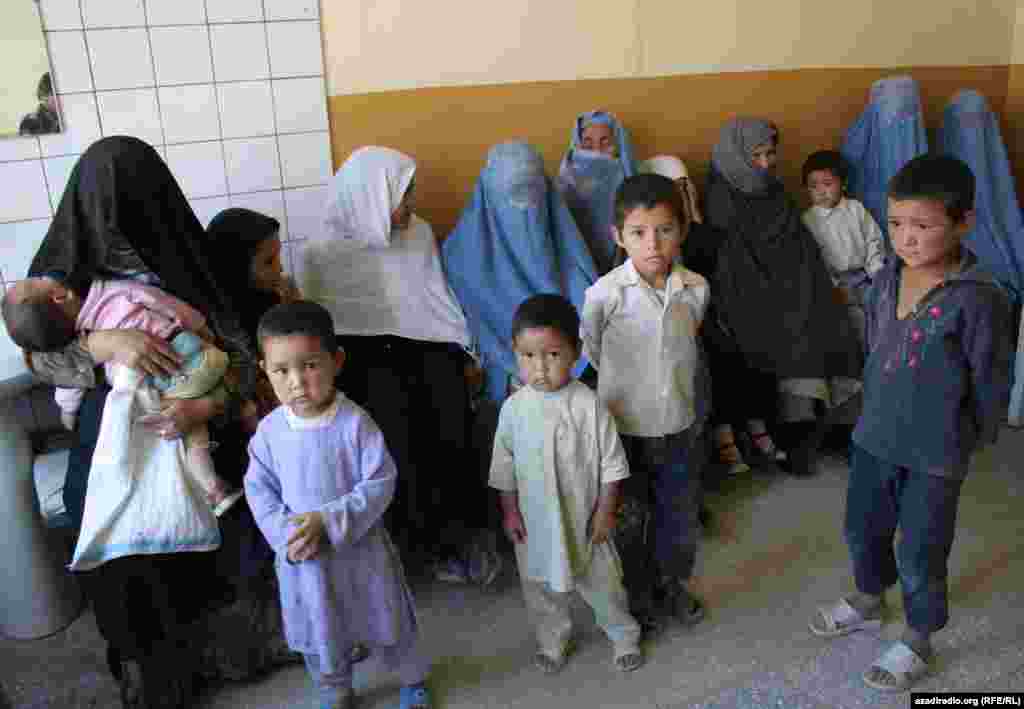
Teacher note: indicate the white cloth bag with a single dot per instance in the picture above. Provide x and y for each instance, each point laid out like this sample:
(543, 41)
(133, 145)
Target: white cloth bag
(140, 498)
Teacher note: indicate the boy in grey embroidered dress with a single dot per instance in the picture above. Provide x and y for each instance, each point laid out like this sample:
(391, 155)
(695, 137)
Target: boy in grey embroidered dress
(319, 481)
(558, 463)
(936, 388)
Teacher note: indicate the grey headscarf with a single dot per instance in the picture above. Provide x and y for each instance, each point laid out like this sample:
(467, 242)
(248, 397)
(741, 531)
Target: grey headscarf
(731, 154)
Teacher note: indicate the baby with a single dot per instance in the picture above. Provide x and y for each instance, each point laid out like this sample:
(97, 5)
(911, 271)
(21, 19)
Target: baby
(43, 315)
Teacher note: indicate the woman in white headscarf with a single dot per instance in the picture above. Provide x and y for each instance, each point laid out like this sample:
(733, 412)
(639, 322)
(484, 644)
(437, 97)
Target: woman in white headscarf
(376, 268)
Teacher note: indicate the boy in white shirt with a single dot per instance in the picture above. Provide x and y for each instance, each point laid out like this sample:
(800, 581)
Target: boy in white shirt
(851, 242)
(558, 464)
(640, 324)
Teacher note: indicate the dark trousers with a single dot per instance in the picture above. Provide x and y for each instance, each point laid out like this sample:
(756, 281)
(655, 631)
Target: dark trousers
(417, 393)
(882, 497)
(657, 531)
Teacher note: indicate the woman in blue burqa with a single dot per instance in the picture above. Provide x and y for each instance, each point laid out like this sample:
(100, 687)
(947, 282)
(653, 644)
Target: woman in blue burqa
(599, 158)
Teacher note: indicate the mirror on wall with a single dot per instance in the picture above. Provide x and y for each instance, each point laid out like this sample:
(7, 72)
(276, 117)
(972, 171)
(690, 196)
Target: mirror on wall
(28, 101)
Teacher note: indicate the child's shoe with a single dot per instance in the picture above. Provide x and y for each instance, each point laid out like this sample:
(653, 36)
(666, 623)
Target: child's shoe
(451, 570)
(683, 605)
(416, 696)
(627, 660)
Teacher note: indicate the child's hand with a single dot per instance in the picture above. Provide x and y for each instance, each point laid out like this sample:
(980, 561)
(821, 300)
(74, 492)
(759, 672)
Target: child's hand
(304, 543)
(515, 527)
(602, 524)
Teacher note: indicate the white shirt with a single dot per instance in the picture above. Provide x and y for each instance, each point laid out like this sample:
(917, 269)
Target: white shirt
(848, 236)
(644, 348)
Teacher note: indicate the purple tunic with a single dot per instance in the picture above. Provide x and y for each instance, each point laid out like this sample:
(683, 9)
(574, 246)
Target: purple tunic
(354, 590)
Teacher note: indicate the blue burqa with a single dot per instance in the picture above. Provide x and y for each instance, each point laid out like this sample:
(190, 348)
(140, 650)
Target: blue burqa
(970, 131)
(514, 240)
(588, 180)
(888, 134)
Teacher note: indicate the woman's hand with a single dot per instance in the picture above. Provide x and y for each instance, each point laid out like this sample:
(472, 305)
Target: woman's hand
(135, 349)
(180, 416)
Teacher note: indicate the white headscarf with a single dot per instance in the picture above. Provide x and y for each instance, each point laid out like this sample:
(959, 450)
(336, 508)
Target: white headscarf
(364, 192)
(674, 169)
(375, 280)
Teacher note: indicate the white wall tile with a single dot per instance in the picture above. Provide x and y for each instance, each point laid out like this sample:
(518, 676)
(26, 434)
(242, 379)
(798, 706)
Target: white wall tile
(199, 168)
(269, 203)
(295, 49)
(207, 209)
(69, 61)
(18, 245)
(190, 113)
(181, 55)
(130, 112)
(291, 9)
(120, 59)
(58, 170)
(305, 209)
(25, 195)
(305, 159)
(81, 127)
(234, 10)
(61, 14)
(301, 105)
(20, 148)
(175, 12)
(246, 109)
(239, 52)
(252, 164)
(113, 13)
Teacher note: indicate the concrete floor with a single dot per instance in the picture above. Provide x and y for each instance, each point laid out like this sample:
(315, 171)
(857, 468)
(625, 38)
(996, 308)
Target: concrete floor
(774, 554)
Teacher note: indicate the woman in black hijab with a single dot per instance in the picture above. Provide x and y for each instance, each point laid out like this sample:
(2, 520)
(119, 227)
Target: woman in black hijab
(173, 618)
(779, 329)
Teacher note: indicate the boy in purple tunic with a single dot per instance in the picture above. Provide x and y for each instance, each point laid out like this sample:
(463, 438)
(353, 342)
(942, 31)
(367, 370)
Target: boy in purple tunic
(319, 481)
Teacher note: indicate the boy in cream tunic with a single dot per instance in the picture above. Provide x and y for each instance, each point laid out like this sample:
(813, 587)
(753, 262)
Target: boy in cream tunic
(558, 463)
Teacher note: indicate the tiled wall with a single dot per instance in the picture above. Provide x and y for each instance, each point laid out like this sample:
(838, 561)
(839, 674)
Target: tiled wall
(230, 92)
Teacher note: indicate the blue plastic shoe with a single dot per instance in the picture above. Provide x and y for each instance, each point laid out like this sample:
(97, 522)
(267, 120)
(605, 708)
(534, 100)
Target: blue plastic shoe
(416, 697)
(202, 369)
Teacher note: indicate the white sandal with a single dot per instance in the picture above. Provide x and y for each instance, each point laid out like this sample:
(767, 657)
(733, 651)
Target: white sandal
(904, 665)
(841, 618)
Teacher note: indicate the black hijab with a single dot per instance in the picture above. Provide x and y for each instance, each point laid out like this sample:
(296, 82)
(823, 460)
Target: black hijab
(773, 292)
(234, 235)
(122, 209)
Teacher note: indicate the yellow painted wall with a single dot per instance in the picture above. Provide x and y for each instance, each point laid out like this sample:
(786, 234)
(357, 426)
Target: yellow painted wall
(1014, 111)
(445, 80)
(386, 45)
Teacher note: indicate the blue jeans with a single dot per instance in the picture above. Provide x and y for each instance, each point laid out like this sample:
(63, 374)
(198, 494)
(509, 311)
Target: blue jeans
(657, 534)
(882, 497)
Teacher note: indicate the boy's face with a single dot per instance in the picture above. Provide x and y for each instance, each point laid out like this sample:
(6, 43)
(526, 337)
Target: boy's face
(266, 272)
(35, 289)
(652, 239)
(302, 372)
(546, 357)
(599, 138)
(765, 156)
(824, 187)
(923, 234)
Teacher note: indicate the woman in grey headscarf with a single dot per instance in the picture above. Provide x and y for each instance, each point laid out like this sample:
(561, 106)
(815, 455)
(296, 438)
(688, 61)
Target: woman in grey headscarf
(779, 328)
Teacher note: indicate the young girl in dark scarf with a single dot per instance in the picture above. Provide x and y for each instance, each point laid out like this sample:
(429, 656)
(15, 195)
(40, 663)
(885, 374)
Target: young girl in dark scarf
(123, 216)
(779, 330)
(246, 249)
